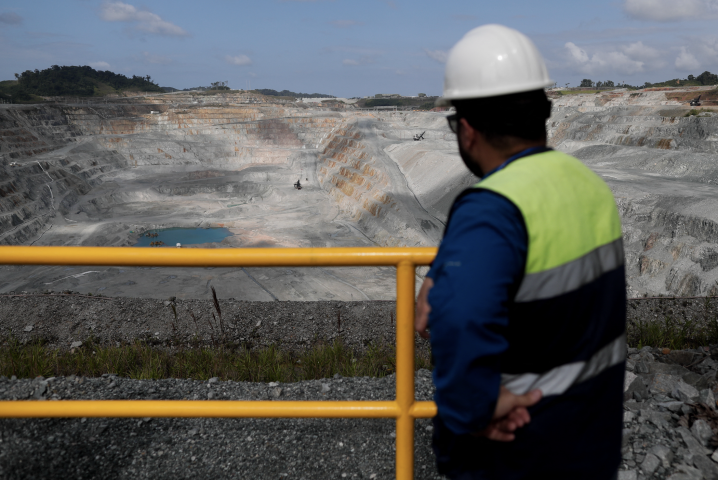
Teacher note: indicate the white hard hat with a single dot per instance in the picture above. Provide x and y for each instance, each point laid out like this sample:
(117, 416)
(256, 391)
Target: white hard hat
(492, 60)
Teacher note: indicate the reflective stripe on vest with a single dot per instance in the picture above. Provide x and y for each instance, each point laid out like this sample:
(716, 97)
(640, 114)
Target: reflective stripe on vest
(557, 380)
(574, 237)
(574, 231)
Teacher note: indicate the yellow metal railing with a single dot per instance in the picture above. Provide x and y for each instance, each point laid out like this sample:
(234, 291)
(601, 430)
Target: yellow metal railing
(404, 408)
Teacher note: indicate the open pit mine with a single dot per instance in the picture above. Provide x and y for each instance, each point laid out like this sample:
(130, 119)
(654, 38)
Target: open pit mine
(225, 167)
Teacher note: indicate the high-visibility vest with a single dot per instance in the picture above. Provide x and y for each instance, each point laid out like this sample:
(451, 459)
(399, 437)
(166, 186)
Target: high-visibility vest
(574, 231)
(574, 240)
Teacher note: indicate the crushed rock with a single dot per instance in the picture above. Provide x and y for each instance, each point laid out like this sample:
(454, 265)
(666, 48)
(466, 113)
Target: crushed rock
(670, 417)
(137, 448)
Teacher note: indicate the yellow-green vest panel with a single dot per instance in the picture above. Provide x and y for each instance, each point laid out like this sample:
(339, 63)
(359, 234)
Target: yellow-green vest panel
(574, 230)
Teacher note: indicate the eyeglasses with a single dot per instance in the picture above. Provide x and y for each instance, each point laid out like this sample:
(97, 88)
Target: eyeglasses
(453, 122)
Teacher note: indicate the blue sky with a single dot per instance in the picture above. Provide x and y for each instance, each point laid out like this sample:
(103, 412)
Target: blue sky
(351, 48)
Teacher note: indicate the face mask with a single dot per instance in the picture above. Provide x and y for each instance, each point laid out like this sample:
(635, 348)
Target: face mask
(470, 164)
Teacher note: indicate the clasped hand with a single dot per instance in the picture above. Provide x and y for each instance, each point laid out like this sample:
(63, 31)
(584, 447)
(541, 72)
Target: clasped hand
(511, 411)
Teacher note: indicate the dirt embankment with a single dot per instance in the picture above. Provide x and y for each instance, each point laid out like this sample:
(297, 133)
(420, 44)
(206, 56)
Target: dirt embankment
(708, 97)
(61, 320)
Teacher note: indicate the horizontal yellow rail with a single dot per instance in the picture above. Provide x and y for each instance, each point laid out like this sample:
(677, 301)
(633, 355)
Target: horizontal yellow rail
(210, 409)
(404, 409)
(216, 257)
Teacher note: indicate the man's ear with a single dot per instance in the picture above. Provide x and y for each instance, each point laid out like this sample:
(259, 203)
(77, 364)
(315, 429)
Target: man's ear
(467, 134)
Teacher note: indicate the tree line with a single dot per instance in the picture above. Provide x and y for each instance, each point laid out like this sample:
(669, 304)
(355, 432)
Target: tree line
(705, 78)
(589, 83)
(75, 80)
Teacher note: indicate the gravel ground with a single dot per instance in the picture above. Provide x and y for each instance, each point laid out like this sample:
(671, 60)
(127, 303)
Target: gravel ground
(700, 310)
(663, 436)
(670, 419)
(207, 448)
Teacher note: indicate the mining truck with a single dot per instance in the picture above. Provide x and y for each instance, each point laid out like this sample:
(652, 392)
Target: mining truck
(696, 102)
(418, 137)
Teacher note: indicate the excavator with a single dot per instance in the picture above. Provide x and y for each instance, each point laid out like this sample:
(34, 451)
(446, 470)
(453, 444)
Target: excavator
(298, 185)
(696, 102)
(418, 137)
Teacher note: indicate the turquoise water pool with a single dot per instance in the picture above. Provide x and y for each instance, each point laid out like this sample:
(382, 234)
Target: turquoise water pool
(186, 236)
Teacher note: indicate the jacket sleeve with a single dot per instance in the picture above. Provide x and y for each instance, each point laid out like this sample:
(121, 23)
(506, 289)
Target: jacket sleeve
(476, 273)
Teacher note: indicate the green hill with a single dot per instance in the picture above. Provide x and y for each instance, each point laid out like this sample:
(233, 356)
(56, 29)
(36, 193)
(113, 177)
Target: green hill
(705, 78)
(73, 80)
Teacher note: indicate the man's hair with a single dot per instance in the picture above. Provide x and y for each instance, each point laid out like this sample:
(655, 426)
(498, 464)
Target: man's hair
(506, 120)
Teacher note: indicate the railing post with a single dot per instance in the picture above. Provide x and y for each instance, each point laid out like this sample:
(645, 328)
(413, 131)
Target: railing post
(405, 369)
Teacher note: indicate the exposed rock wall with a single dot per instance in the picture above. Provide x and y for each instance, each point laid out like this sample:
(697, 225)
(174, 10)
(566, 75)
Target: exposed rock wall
(63, 151)
(661, 166)
(368, 185)
(231, 159)
(44, 181)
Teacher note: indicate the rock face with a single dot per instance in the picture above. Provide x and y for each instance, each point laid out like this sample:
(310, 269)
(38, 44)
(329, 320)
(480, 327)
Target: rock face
(103, 174)
(661, 166)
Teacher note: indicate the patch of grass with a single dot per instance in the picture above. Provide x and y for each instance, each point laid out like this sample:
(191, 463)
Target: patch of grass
(102, 89)
(141, 361)
(694, 112)
(700, 328)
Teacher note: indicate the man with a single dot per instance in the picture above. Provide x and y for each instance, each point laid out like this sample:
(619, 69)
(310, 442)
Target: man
(525, 301)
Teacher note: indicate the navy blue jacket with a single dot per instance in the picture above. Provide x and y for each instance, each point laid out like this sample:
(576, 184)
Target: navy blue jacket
(476, 273)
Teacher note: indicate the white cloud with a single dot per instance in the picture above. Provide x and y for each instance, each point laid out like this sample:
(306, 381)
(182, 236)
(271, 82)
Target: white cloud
(345, 23)
(668, 10)
(118, 12)
(10, 18)
(238, 59)
(639, 51)
(709, 46)
(617, 62)
(100, 65)
(706, 48)
(438, 55)
(349, 61)
(144, 21)
(577, 54)
(686, 61)
(627, 60)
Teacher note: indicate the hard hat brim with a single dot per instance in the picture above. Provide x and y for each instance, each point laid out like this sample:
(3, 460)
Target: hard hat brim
(446, 100)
